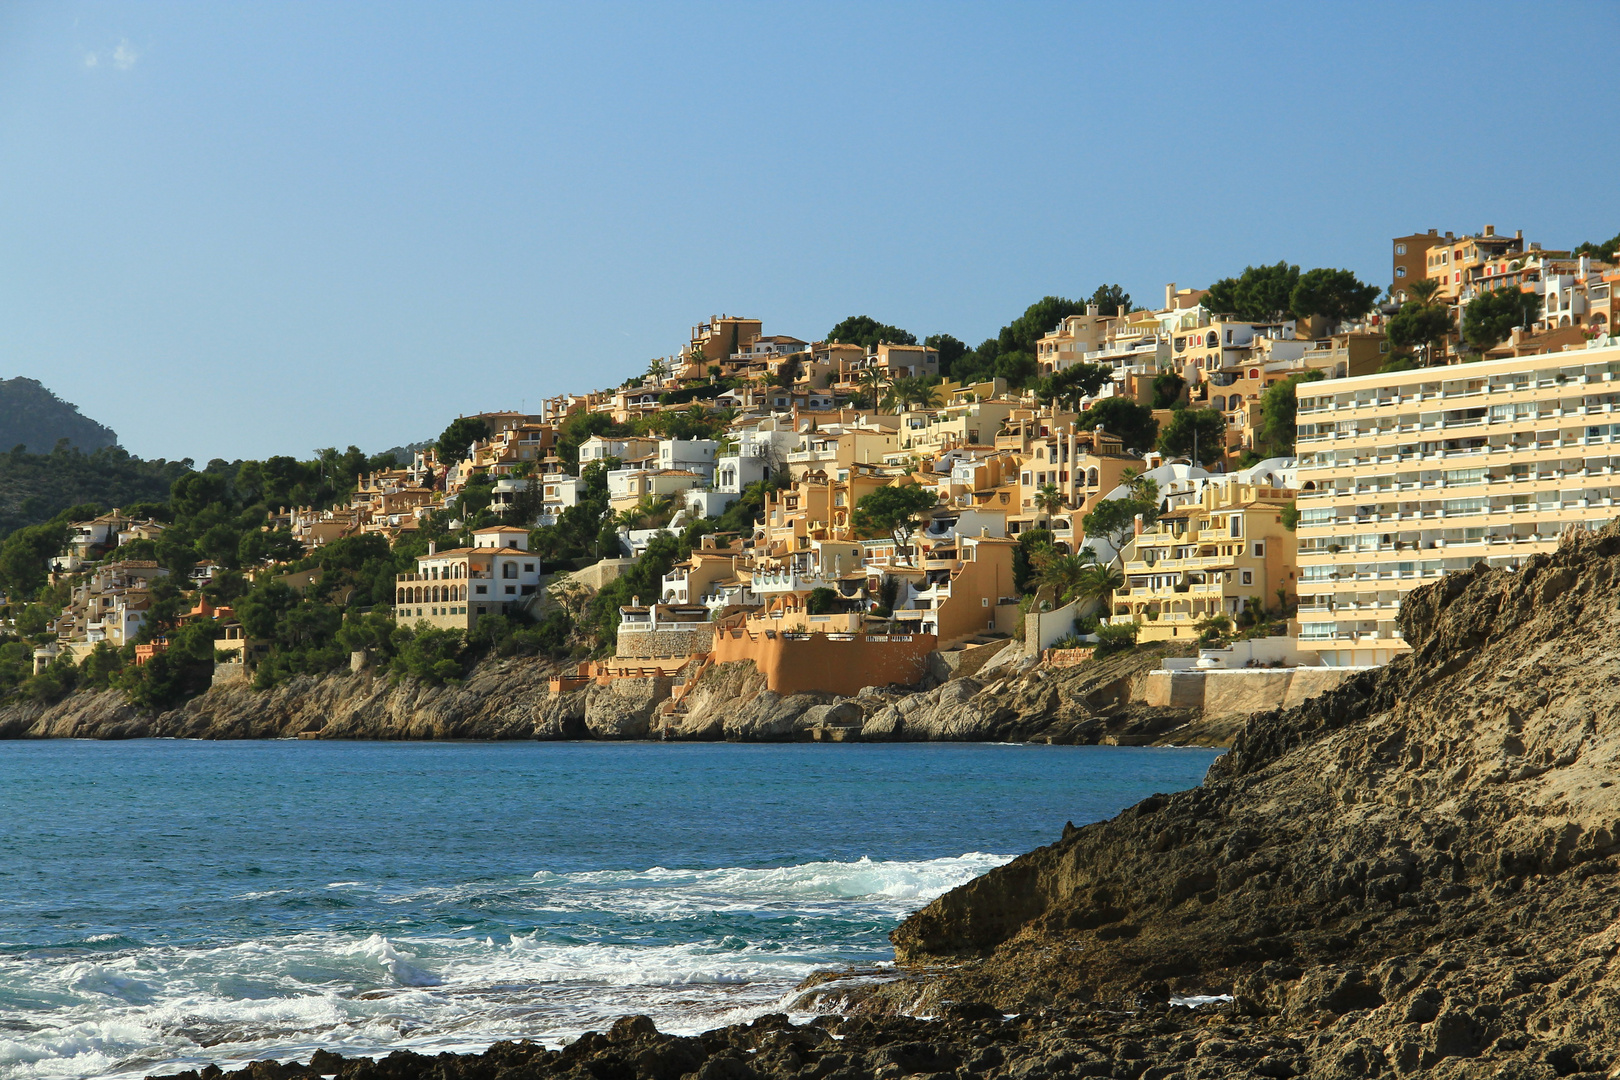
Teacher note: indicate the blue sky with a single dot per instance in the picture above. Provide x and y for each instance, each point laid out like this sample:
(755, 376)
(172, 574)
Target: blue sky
(235, 230)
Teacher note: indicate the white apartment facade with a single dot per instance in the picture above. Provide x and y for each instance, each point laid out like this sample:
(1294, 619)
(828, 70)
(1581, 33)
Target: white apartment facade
(1409, 475)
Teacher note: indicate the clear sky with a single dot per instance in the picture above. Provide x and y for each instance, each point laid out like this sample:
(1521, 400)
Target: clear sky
(242, 229)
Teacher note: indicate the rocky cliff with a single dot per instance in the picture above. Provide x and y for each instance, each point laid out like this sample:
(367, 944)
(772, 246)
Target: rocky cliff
(511, 699)
(1415, 872)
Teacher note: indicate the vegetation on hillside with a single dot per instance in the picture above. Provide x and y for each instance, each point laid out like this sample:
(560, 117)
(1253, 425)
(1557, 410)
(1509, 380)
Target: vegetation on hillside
(34, 417)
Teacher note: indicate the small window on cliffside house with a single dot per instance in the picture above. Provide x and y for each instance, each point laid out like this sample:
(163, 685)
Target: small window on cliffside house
(1259, 550)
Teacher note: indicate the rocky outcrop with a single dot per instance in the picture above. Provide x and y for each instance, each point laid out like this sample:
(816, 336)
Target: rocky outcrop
(511, 699)
(1416, 872)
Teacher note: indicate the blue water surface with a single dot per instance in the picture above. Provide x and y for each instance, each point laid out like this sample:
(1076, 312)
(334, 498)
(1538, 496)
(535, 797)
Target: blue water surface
(164, 903)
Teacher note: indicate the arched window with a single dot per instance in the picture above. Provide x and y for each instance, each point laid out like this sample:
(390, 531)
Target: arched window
(399, 596)
(1254, 373)
(1211, 340)
(1091, 476)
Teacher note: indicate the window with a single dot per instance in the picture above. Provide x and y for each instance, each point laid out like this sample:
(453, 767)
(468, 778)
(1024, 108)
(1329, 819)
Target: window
(1259, 550)
(509, 570)
(1248, 577)
(1237, 525)
(1400, 272)
(1400, 249)
(483, 589)
(528, 568)
(511, 590)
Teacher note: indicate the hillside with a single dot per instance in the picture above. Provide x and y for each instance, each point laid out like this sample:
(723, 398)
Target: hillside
(36, 487)
(32, 416)
(1417, 871)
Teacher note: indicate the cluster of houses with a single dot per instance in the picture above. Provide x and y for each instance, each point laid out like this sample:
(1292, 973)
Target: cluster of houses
(1402, 473)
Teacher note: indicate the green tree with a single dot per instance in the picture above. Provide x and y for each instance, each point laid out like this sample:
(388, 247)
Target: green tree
(1167, 388)
(1336, 295)
(1259, 294)
(1419, 325)
(1111, 300)
(1490, 317)
(1072, 384)
(1098, 582)
(1033, 546)
(1279, 412)
(950, 351)
(1120, 416)
(821, 600)
(458, 438)
(1048, 499)
(1064, 573)
(1199, 433)
(1605, 251)
(893, 510)
(865, 331)
(1114, 520)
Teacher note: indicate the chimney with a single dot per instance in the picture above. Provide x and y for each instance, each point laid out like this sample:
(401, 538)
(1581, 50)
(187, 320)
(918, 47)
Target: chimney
(1490, 230)
(1433, 232)
(1518, 234)
(433, 548)
(1170, 295)
(1091, 309)
(1136, 525)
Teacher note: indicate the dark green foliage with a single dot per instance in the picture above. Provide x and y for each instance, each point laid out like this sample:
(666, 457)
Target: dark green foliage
(1032, 544)
(822, 600)
(1419, 325)
(35, 488)
(1336, 295)
(1038, 320)
(463, 431)
(1490, 317)
(1605, 251)
(1114, 520)
(1167, 388)
(893, 510)
(1279, 412)
(865, 331)
(184, 670)
(430, 654)
(1259, 294)
(1133, 423)
(1073, 383)
(1200, 433)
(950, 351)
(25, 555)
(32, 416)
(1115, 638)
(644, 579)
(1111, 300)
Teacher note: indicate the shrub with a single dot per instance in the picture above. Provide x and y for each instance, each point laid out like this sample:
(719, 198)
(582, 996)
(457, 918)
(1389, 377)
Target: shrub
(1116, 637)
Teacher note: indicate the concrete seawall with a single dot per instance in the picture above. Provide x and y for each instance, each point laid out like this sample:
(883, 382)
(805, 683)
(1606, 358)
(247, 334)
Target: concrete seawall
(1238, 692)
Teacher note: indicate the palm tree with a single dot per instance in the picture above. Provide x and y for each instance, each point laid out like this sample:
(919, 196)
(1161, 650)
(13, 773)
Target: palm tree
(872, 381)
(1098, 583)
(1048, 499)
(1064, 573)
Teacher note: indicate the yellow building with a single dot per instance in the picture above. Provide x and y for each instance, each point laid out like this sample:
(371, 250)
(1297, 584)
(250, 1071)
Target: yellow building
(1209, 558)
(1409, 475)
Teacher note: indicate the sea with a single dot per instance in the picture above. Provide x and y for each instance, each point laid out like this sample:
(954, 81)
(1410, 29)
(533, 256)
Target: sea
(166, 904)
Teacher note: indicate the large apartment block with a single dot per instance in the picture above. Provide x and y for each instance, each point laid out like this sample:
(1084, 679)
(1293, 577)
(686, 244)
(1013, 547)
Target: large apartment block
(1408, 475)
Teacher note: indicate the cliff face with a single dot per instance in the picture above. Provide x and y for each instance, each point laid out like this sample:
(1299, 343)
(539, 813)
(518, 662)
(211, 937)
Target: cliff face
(1414, 871)
(511, 699)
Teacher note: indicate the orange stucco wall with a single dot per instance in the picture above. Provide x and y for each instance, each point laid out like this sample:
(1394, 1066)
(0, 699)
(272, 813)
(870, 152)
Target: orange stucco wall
(793, 665)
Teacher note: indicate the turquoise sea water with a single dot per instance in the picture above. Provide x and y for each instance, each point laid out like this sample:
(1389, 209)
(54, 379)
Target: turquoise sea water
(168, 903)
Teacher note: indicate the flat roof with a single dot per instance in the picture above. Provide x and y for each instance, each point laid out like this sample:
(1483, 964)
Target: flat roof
(1608, 354)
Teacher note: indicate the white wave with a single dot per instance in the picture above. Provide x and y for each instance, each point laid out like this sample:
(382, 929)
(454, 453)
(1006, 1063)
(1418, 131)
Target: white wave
(155, 1008)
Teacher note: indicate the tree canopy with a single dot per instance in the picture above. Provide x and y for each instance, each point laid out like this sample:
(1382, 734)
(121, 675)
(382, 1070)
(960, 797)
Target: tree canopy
(950, 351)
(1073, 383)
(1133, 423)
(1279, 412)
(1336, 295)
(1605, 251)
(1490, 317)
(865, 331)
(1420, 325)
(459, 436)
(1114, 520)
(1259, 294)
(893, 510)
(1200, 433)
(1111, 300)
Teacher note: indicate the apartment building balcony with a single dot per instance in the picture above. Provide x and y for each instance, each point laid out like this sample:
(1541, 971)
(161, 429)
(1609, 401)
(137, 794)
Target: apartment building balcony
(776, 582)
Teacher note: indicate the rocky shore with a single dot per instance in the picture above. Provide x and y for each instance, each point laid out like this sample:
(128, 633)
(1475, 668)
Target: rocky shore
(1417, 873)
(511, 699)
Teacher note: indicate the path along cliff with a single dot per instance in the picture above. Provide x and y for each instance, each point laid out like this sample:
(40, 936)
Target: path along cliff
(1101, 702)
